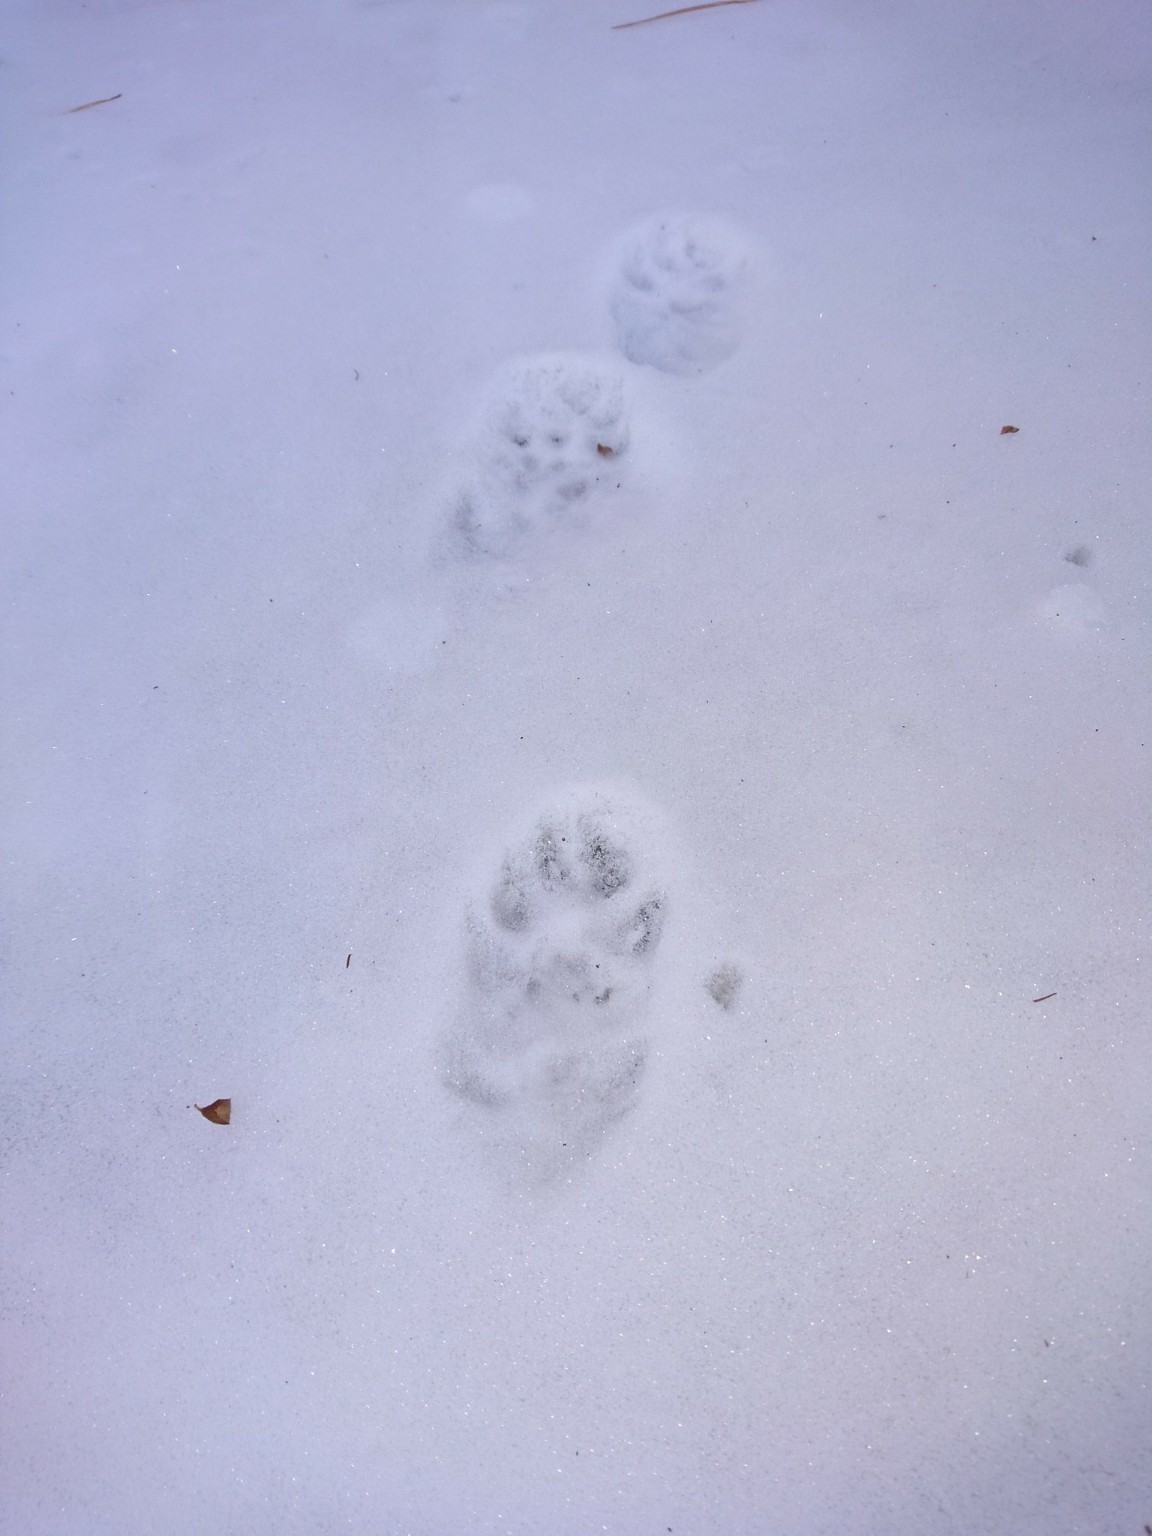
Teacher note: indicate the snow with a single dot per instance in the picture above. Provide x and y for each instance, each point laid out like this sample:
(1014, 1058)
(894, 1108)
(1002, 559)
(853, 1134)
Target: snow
(494, 502)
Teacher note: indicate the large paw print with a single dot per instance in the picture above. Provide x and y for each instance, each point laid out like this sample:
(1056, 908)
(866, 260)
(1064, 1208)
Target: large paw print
(551, 433)
(551, 1042)
(677, 295)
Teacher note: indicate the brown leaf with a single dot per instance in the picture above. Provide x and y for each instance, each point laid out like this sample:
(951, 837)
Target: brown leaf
(604, 451)
(219, 1111)
(1003, 430)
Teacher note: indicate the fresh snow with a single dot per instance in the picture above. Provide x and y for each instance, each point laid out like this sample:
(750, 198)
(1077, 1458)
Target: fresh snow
(531, 666)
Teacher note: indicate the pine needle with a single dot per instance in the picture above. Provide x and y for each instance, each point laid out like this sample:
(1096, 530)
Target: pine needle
(103, 102)
(710, 5)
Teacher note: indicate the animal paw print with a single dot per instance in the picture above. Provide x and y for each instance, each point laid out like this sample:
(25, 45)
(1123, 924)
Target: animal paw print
(551, 1043)
(677, 296)
(550, 434)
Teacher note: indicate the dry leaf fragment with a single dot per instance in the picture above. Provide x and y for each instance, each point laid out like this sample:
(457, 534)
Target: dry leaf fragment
(219, 1111)
(101, 102)
(1003, 430)
(711, 5)
(604, 451)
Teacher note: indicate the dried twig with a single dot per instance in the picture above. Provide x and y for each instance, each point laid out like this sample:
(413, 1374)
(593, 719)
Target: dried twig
(103, 102)
(710, 5)
(1045, 998)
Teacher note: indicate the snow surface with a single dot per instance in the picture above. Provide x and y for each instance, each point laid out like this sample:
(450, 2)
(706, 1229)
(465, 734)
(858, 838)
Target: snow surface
(516, 503)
